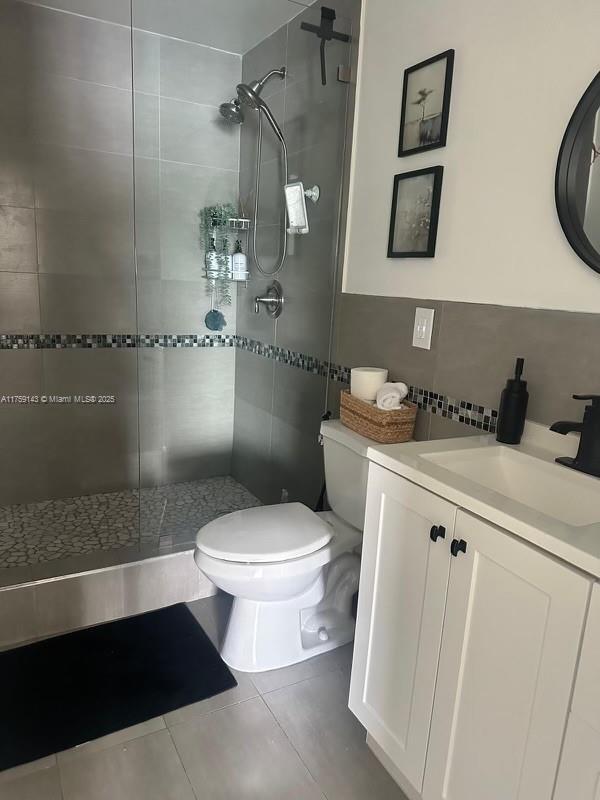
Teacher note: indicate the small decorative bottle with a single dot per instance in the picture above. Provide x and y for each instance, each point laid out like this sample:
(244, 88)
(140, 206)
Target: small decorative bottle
(211, 260)
(513, 408)
(240, 264)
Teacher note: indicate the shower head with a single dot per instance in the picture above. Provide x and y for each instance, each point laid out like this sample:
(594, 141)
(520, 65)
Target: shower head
(232, 111)
(249, 95)
(250, 98)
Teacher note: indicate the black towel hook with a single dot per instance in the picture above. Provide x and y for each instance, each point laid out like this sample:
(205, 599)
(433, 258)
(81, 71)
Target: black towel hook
(325, 33)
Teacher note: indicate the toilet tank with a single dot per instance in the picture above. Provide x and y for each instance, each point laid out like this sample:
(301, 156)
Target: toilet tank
(346, 469)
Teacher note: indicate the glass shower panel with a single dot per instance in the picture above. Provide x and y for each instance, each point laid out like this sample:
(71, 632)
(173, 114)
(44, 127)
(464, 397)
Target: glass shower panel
(315, 127)
(280, 417)
(69, 457)
(230, 399)
(186, 172)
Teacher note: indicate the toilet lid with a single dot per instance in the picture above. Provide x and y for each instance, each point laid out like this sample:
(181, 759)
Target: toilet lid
(266, 533)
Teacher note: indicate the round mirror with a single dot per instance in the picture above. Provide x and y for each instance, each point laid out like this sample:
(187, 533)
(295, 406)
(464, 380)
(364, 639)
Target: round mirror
(578, 178)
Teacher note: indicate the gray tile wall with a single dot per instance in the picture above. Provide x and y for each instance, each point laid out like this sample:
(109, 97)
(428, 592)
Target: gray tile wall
(278, 408)
(473, 352)
(186, 413)
(76, 152)
(186, 158)
(66, 249)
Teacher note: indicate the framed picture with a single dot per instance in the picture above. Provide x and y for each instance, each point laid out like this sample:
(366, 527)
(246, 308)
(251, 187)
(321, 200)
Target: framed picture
(415, 211)
(426, 104)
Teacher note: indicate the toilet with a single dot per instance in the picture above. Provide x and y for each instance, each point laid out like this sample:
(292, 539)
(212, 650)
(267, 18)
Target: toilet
(292, 572)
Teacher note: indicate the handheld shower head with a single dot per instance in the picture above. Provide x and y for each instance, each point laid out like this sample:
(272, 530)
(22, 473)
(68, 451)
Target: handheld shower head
(249, 95)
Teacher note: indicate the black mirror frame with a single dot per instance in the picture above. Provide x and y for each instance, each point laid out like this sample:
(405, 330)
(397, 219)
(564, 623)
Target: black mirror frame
(564, 185)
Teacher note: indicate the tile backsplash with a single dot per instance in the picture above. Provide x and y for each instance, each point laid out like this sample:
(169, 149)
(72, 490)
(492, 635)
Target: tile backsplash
(473, 351)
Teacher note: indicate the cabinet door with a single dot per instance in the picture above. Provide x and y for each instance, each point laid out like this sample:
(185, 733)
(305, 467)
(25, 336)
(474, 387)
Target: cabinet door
(586, 700)
(512, 629)
(403, 582)
(579, 773)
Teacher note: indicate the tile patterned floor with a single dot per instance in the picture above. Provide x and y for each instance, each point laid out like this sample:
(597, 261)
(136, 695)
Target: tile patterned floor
(282, 735)
(168, 515)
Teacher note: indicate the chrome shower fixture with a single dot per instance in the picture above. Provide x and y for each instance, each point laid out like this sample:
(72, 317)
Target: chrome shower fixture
(248, 96)
(257, 86)
(232, 111)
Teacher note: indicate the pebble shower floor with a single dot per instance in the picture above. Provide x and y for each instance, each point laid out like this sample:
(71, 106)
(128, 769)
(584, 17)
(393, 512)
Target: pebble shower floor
(50, 529)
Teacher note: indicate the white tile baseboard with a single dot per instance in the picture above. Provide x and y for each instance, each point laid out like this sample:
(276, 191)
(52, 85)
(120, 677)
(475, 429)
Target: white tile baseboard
(66, 603)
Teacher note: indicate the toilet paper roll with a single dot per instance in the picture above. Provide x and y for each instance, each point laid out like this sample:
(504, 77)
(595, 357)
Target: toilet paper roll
(366, 381)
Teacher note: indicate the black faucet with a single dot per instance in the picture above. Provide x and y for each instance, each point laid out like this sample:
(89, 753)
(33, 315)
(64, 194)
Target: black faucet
(588, 456)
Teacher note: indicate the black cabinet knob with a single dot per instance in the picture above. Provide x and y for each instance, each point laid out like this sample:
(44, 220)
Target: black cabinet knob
(437, 532)
(458, 546)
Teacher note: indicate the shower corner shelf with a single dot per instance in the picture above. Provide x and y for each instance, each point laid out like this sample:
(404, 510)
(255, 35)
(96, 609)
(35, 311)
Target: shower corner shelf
(239, 224)
(226, 274)
(223, 272)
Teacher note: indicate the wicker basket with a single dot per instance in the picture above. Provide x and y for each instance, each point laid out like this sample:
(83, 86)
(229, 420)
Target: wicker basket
(386, 427)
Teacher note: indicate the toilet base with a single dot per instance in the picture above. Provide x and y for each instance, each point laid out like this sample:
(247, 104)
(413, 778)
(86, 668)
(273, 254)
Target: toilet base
(262, 635)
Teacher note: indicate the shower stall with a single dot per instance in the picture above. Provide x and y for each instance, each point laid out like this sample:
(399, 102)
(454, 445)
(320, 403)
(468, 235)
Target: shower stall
(130, 415)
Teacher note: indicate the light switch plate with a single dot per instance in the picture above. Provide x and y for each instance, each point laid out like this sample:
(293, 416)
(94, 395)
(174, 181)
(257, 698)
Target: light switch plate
(423, 328)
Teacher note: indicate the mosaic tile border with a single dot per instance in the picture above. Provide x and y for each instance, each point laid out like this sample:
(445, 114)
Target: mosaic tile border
(291, 358)
(476, 416)
(481, 417)
(111, 341)
(186, 340)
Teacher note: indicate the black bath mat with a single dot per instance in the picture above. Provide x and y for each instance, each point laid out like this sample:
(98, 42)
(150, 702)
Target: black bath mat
(64, 691)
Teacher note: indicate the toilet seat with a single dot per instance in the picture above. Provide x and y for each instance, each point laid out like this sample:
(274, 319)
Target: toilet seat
(278, 580)
(265, 534)
(344, 538)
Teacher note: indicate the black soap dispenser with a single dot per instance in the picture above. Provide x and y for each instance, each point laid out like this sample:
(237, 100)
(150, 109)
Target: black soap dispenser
(513, 408)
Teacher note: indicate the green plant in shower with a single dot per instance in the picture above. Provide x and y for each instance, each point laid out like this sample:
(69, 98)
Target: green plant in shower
(215, 239)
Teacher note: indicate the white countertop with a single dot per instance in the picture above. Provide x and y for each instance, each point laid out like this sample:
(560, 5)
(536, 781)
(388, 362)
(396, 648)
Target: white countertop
(577, 544)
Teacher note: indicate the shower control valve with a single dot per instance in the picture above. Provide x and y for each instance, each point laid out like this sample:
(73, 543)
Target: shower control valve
(273, 300)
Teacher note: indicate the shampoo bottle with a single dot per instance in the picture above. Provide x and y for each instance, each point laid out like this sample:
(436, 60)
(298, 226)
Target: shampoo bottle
(240, 268)
(513, 408)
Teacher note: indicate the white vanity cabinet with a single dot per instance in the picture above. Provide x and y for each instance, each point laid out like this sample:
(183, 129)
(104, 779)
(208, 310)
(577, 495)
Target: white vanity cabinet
(404, 575)
(579, 772)
(466, 648)
(513, 624)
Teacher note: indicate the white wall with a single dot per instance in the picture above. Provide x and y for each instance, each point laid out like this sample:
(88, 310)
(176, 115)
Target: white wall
(520, 68)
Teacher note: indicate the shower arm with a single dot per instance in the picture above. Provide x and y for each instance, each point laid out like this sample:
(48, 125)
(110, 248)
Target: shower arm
(280, 73)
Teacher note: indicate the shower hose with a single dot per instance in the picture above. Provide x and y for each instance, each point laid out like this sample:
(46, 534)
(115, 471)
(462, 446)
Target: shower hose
(283, 245)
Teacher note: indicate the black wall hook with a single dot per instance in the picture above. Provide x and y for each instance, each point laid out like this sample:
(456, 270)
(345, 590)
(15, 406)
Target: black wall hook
(325, 33)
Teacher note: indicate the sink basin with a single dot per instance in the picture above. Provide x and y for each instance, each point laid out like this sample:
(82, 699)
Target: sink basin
(553, 490)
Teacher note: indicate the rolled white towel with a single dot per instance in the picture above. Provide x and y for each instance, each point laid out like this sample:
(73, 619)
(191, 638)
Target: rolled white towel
(391, 395)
